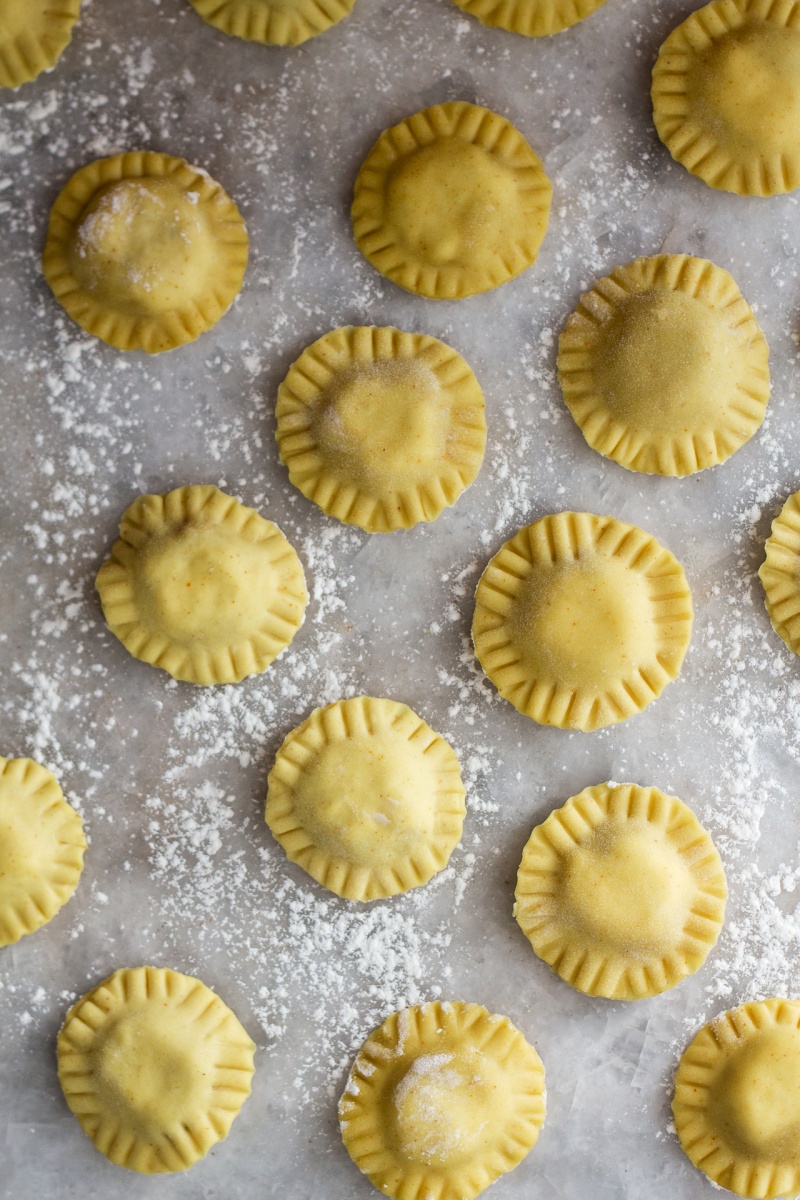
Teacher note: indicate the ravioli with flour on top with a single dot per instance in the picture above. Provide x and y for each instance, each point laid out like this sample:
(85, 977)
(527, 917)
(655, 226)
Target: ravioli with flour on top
(737, 1099)
(531, 18)
(42, 844)
(621, 892)
(780, 573)
(381, 428)
(273, 22)
(441, 1100)
(451, 202)
(145, 251)
(366, 798)
(33, 36)
(581, 621)
(664, 367)
(202, 586)
(155, 1067)
(726, 95)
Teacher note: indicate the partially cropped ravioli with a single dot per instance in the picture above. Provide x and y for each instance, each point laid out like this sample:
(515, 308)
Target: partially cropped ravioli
(581, 621)
(726, 95)
(273, 22)
(664, 367)
(145, 251)
(202, 586)
(155, 1067)
(441, 1100)
(451, 202)
(366, 798)
(621, 891)
(381, 428)
(780, 573)
(532, 18)
(41, 848)
(33, 36)
(737, 1099)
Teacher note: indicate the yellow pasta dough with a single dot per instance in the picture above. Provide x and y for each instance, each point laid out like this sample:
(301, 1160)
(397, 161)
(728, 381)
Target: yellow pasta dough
(664, 367)
(381, 428)
(145, 251)
(621, 891)
(33, 36)
(532, 18)
(780, 573)
(581, 621)
(441, 1100)
(202, 586)
(366, 798)
(41, 848)
(726, 95)
(155, 1067)
(273, 22)
(451, 202)
(737, 1099)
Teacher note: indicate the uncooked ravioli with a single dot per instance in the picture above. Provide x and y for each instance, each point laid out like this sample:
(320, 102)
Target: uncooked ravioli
(780, 573)
(42, 844)
(581, 621)
(273, 22)
(737, 1099)
(726, 95)
(33, 36)
(366, 798)
(664, 367)
(621, 891)
(441, 1100)
(202, 586)
(155, 1067)
(531, 18)
(145, 251)
(381, 428)
(451, 202)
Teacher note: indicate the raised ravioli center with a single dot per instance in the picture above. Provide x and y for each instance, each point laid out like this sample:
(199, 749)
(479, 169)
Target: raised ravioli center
(589, 623)
(445, 1109)
(369, 800)
(144, 243)
(386, 419)
(747, 85)
(452, 203)
(667, 364)
(146, 1069)
(629, 888)
(202, 584)
(755, 1101)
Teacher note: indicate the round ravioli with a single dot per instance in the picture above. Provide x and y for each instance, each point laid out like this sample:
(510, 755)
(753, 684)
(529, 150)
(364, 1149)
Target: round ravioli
(664, 367)
(155, 1067)
(581, 621)
(441, 1100)
(531, 18)
(621, 892)
(33, 36)
(726, 95)
(780, 573)
(366, 798)
(202, 586)
(273, 22)
(451, 202)
(41, 848)
(145, 251)
(381, 428)
(737, 1099)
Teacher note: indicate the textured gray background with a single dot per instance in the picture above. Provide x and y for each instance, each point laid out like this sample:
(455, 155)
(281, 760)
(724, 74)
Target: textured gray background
(181, 869)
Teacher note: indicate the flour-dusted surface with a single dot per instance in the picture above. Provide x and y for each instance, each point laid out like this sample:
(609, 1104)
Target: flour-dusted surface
(181, 870)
